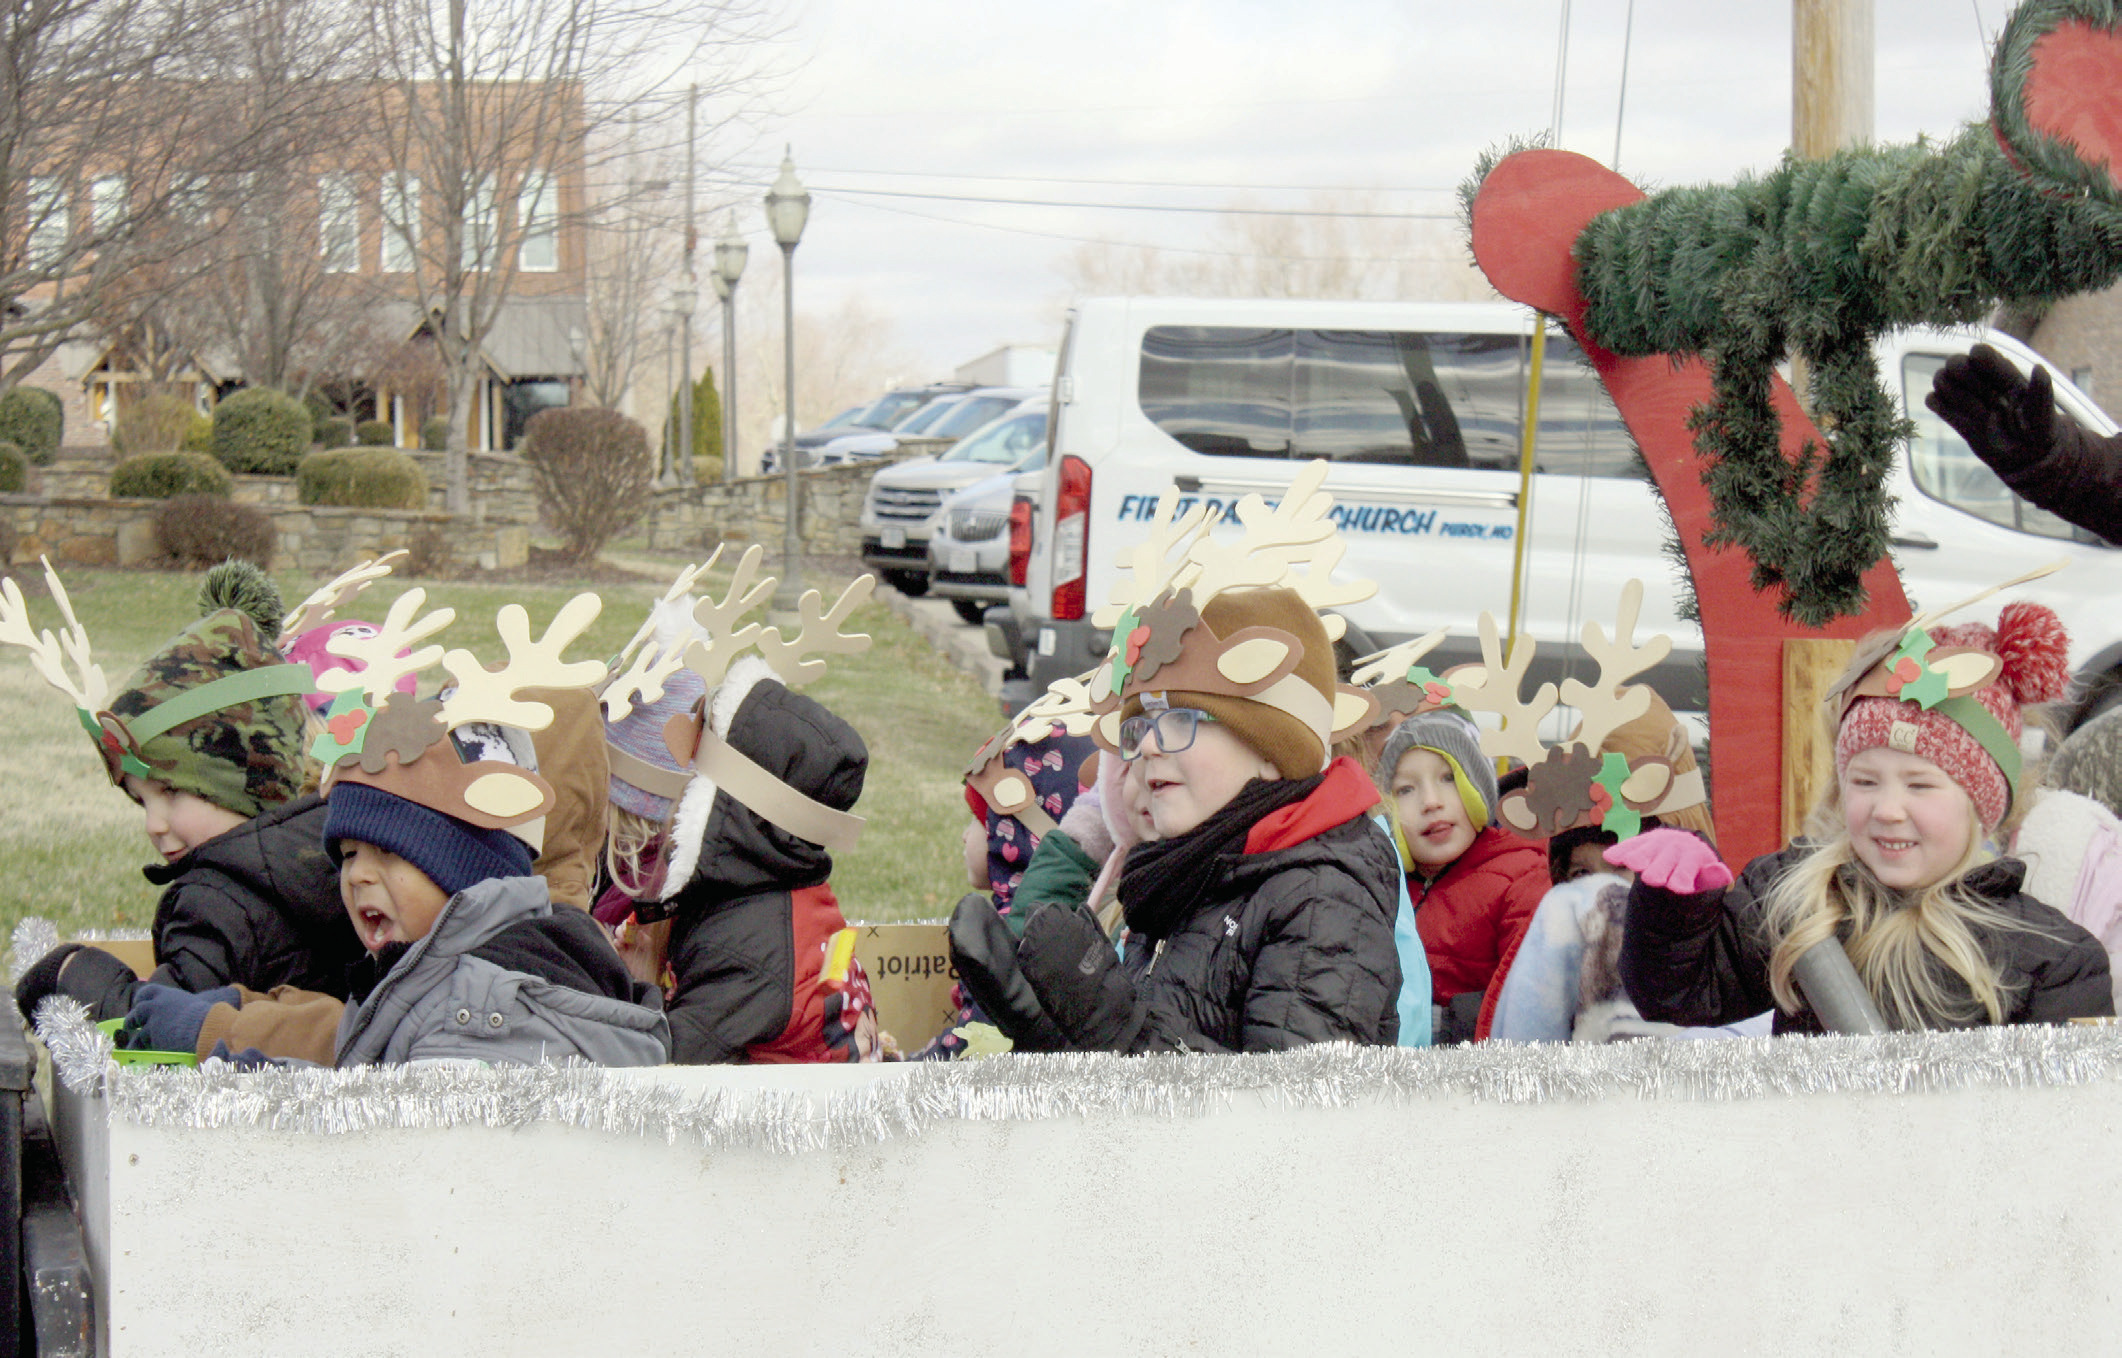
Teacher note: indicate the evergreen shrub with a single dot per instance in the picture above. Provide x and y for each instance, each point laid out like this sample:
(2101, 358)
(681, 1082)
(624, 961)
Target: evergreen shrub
(158, 476)
(365, 478)
(261, 430)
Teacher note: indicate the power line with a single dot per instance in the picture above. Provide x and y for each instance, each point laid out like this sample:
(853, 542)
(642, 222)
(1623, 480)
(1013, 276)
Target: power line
(1145, 207)
(1136, 245)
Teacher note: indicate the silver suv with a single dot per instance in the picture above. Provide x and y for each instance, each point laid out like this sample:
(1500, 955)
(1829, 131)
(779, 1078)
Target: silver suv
(899, 514)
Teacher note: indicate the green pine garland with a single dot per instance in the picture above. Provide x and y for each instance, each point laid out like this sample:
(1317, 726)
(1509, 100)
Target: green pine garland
(1817, 258)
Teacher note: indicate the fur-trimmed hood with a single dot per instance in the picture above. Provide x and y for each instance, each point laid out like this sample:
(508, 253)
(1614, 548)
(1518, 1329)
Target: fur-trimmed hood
(721, 850)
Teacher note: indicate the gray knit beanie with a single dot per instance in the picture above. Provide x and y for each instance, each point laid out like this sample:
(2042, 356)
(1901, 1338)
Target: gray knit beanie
(2090, 762)
(1458, 740)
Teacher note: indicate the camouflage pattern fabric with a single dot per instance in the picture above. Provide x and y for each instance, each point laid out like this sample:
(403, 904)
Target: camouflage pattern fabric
(246, 758)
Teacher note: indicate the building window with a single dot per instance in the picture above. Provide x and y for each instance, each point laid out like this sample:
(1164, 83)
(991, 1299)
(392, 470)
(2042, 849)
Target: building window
(49, 221)
(106, 204)
(338, 224)
(2082, 379)
(401, 223)
(479, 225)
(535, 208)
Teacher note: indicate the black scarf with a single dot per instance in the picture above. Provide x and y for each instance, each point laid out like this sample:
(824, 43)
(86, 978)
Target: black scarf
(1163, 880)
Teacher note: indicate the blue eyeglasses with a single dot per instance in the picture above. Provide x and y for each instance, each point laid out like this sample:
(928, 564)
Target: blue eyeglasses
(1175, 727)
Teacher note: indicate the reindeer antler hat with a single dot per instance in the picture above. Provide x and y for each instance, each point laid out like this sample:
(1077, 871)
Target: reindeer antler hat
(1576, 782)
(1235, 628)
(721, 744)
(215, 711)
(467, 753)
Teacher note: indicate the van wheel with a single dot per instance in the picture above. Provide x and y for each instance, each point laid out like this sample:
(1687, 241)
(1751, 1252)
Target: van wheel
(973, 611)
(913, 584)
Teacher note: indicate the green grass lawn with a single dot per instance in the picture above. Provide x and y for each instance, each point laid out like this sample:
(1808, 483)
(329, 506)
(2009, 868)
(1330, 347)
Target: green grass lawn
(71, 846)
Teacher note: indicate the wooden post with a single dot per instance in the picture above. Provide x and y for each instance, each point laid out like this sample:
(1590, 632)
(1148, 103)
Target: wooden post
(1810, 667)
(1831, 76)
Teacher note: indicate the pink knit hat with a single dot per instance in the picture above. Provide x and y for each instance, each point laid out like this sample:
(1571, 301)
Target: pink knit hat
(1915, 699)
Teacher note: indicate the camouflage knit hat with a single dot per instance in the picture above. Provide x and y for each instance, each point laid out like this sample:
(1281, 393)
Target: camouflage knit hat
(216, 712)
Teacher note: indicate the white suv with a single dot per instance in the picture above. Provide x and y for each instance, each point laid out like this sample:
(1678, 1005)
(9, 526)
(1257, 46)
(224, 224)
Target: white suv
(898, 515)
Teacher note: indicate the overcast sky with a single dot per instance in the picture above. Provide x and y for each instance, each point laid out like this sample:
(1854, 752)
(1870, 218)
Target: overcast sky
(1265, 102)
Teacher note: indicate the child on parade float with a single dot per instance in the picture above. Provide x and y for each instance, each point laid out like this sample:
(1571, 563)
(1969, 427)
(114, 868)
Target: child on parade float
(1941, 935)
(730, 792)
(2070, 838)
(207, 738)
(1261, 917)
(430, 809)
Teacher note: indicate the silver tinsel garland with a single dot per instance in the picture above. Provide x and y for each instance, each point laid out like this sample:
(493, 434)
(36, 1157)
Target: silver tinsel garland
(1022, 1088)
(35, 936)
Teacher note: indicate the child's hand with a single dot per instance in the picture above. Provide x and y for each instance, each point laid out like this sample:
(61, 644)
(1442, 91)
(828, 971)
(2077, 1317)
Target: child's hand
(1671, 860)
(166, 1019)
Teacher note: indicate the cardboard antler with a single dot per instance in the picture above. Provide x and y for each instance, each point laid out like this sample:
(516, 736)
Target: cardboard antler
(48, 654)
(819, 634)
(1608, 705)
(1493, 686)
(1150, 564)
(489, 695)
(383, 666)
(747, 590)
(326, 600)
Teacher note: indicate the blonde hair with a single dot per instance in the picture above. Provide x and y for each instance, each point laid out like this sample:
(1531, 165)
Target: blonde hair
(1905, 945)
(627, 845)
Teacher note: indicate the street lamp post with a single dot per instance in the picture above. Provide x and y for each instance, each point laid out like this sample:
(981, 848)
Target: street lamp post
(682, 299)
(787, 209)
(730, 254)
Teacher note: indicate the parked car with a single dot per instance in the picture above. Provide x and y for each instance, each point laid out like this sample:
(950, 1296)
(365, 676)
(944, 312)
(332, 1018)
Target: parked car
(968, 551)
(872, 419)
(899, 513)
(1418, 407)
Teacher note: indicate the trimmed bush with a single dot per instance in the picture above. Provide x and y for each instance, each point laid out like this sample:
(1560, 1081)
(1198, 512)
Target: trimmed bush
(434, 434)
(32, 419)
(375, 434)
(14, 472)
(334, 433)
(261, 430)
(158, 476)
(593, 474)
(204, 531)
(366, 478)
(199, 435)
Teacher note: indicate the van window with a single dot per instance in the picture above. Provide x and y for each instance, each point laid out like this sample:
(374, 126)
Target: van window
(1400, 398)
(1946, 469)
(1581, 433)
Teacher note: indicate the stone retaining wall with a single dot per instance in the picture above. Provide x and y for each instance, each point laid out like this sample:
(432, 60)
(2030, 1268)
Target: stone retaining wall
(501, 487)
(751, 509)
(317, 539)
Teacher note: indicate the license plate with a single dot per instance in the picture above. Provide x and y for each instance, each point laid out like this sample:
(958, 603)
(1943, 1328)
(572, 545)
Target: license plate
(892, 537)
(963, 560)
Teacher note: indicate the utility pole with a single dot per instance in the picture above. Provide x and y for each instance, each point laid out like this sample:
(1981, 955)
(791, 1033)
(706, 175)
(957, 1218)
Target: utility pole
(692, 290)
(1830, 109)
(1831, 76)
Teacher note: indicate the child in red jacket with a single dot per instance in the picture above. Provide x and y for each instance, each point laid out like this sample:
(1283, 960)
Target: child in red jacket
(1474, 885)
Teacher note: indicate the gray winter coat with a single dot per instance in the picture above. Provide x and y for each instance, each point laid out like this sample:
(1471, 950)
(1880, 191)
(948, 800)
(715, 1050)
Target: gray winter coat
(440, 1002)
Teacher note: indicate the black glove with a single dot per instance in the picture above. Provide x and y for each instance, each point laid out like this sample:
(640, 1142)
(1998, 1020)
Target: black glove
(985, 954)
(2010, 421)
(167, 1019)
(42, 979)
(1073, 969)
(93, 977)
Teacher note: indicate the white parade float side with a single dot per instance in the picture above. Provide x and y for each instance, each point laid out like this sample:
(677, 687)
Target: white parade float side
(1932, 1193)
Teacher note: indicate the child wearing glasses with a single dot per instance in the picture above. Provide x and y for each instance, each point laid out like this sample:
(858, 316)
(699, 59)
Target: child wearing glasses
(1261, 915)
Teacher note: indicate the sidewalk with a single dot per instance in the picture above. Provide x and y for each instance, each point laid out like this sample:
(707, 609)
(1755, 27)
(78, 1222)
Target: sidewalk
(963, 644)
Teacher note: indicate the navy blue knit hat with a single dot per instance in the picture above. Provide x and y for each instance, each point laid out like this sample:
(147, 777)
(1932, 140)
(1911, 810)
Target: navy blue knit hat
(453, 854)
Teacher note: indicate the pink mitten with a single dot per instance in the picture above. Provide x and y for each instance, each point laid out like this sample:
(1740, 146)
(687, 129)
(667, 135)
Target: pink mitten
(1672, 860)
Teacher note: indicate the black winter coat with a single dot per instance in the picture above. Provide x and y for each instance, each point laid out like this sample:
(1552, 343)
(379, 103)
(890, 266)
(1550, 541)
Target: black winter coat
(743, 943)
(257, 907)
(1703, 959)
(1286, 947)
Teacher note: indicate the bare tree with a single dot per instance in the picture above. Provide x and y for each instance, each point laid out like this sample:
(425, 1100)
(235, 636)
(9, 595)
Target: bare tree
(848, 354)
(633, 246)
(496, 113)
(110, 123)
(1329, 252)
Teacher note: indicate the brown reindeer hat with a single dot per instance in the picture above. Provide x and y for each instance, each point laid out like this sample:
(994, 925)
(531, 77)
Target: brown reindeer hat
(465, 754)
(1584, 780)
(1236, 628)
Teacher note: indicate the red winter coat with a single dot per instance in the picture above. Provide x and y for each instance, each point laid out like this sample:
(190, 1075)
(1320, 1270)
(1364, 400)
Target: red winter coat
(1472, 915)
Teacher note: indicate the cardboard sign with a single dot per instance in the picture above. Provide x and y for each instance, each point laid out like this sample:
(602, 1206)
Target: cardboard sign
(910, 977)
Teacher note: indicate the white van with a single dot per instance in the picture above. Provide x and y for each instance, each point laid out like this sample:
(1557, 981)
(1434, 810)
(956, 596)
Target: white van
(1418, 406)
